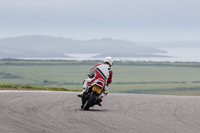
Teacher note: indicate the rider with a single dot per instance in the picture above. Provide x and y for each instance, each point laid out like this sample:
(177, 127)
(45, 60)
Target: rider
(102, 71)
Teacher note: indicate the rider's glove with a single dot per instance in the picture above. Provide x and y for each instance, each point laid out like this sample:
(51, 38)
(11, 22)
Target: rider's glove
(90, 76)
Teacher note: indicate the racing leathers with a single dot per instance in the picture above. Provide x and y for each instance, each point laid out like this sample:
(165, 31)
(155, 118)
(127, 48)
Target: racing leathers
(101, 71)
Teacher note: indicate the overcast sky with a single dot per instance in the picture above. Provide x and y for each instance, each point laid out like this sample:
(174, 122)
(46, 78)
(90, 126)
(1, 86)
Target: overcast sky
(133, 20)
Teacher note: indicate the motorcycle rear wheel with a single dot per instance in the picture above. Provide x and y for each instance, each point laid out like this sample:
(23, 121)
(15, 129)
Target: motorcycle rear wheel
(90, 102)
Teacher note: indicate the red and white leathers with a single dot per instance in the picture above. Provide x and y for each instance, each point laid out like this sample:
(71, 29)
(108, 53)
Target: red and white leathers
(102, 72)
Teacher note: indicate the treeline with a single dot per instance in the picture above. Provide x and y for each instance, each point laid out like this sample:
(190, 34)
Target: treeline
(157, 91)
(47, 82)
(183, 82)
(9, 75)
(21, 62)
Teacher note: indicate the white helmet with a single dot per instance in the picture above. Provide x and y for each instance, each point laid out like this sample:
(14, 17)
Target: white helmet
(109, 60)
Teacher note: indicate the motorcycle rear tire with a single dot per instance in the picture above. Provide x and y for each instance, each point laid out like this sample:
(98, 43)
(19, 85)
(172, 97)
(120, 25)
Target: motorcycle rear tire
(90, 102)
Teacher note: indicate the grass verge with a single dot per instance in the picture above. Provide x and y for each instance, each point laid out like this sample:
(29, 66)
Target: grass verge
(27, 87)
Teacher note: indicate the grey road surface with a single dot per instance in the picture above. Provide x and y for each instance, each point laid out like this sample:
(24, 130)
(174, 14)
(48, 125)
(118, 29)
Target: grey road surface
(59, 112)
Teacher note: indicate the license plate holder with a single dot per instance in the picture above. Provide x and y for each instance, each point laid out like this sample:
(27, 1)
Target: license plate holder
(97, 89)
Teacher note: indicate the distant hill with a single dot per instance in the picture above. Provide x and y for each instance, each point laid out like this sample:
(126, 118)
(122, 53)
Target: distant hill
(172, 44)
(47, 47)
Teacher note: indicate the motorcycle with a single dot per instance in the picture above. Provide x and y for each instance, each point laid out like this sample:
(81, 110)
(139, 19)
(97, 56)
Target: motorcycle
(91, 96)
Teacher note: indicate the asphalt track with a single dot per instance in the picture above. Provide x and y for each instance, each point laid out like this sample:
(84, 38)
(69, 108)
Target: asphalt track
(59, 112)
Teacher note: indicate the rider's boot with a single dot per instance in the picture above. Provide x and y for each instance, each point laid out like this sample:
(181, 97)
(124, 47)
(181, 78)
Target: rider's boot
(80, 94)
(98, 101)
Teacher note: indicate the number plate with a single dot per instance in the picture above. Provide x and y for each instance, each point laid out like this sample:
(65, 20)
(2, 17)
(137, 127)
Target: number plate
(97, 89)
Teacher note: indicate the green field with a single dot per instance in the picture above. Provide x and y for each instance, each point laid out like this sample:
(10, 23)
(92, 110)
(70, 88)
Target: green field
(129, 77)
